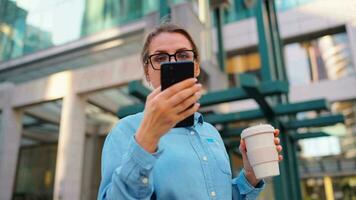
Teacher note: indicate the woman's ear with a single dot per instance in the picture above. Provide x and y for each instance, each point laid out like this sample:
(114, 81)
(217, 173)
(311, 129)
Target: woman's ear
(146, 73)
(196, 69)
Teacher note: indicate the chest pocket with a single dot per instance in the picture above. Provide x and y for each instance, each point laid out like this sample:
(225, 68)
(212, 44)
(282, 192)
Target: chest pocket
(219, 154)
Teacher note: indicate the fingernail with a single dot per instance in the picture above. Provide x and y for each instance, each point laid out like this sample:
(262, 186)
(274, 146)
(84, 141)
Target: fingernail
(195, 79)
(199, 85)
(198, 94)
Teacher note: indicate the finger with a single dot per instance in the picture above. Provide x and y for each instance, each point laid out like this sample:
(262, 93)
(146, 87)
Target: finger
(276, 132)
(277, 141)
(188, 112)
(174, 89)
(280, 157)
(242, 145)
(184, 94)
(279, 148)
(187, 103)
(243, 149)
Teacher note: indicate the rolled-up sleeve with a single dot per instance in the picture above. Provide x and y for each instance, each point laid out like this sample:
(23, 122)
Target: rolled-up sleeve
(126, 172)
(242, 189)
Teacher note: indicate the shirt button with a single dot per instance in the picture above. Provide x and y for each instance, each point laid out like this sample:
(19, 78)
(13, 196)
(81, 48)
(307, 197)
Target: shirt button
(192, 132)
(145, 180)
(205, 158)
(213, 194)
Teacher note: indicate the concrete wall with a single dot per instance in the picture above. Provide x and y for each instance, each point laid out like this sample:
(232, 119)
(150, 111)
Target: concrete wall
(72, 87)
(318, 15)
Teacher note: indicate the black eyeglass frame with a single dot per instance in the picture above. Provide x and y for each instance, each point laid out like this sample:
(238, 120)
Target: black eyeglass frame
(169, 56)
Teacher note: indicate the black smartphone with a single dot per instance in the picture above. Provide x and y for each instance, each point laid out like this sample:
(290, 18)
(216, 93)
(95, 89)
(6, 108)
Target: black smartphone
(174, 72)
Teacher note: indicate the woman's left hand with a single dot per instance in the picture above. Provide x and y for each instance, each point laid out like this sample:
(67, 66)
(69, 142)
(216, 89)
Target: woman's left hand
(250, 175)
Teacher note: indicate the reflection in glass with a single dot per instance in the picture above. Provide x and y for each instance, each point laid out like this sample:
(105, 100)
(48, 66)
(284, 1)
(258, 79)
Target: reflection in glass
(36, 169)
(335, 54)
(243, 63)
(324, 58)
(298, 71)
(348, 140)
(324, 170)
(240, 10)
(30, 26)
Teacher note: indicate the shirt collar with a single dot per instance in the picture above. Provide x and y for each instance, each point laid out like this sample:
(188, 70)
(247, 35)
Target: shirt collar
(198, 118)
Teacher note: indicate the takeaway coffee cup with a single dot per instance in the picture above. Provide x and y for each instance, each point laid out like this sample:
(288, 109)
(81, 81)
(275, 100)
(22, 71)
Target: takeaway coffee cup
(261, 150)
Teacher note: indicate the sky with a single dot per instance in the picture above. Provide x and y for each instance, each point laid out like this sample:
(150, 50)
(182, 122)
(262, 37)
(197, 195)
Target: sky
(62, 18)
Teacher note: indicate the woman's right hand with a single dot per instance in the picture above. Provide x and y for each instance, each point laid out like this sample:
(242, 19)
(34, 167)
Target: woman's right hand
(164, 109)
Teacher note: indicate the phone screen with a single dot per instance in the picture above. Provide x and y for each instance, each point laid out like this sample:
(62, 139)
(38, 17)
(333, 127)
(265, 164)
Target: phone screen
(174, 72)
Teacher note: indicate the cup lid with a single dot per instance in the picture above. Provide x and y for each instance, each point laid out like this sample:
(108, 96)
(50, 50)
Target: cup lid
(261, 128)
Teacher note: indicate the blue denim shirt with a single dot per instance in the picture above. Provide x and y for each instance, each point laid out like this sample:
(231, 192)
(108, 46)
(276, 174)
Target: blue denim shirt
(191, 163)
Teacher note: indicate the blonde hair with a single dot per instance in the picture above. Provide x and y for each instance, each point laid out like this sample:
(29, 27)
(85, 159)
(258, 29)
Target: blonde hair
(166, 27)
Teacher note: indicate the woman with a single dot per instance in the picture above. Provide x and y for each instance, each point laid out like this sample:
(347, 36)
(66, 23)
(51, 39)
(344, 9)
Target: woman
(144, 157)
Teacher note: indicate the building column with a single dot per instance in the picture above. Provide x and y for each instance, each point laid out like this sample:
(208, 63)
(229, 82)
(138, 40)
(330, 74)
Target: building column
(70, 155)
(91, 156)
(198, 30)
(10, 138)
(351, 33)
(328, 185)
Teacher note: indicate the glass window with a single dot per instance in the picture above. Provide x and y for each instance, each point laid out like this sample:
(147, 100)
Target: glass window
(238, 10)
(0, 124)
(335, 56)
(296, 58)
(283, 5)
(324, 58)
(330, 161)
(348, 139)
(29, 26)
(327, 57)
(36, 170)
(241, 9)
(243, 63)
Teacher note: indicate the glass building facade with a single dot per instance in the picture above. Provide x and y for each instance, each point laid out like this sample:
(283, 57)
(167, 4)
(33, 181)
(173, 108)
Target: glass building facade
(308, 61)
(240, 10)
(30, 26)
(325, 58)
(35, 173)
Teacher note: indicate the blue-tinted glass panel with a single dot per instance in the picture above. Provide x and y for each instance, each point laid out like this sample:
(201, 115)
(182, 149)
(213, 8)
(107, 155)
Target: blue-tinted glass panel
(28, 26)
(298, 70)
(240, 9)
(328, 57)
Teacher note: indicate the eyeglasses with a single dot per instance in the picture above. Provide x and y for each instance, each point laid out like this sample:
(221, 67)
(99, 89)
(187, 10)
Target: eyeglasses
(157, 59)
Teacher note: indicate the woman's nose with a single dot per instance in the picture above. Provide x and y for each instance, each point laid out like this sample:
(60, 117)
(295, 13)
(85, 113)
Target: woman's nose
(172, 60)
